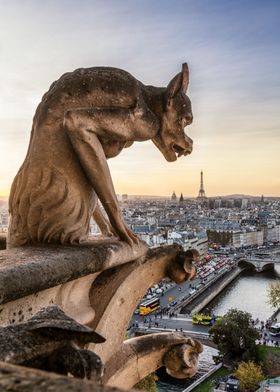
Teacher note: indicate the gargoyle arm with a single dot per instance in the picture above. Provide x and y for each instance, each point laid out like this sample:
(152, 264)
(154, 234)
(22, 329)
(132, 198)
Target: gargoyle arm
(85, 128)
(101, 221)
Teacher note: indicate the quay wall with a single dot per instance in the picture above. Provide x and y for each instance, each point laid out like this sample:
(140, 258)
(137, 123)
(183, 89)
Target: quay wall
(218, 287)
(203, 378)
(211, 291)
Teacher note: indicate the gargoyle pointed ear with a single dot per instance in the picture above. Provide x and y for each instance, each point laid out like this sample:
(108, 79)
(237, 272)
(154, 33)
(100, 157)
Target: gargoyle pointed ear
(185, 77)
(179, 82)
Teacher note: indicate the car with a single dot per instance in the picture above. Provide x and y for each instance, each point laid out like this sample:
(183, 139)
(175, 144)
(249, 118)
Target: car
(174, 302)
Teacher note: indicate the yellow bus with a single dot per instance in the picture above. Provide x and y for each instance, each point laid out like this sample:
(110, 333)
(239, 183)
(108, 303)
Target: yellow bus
(205, 320)
(149, 306)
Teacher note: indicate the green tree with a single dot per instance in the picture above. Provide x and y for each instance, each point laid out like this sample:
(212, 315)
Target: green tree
(235, 335)
(148, 383)
(274, 294)
(249, 375)
(271, 361)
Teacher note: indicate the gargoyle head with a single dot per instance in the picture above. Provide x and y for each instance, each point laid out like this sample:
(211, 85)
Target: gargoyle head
(181, 361)
(171, 139)
(182, 268)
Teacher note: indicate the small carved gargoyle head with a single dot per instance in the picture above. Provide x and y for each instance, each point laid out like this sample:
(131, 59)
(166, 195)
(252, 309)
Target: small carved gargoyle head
(171, 139)
(183, 268)
(182, 360)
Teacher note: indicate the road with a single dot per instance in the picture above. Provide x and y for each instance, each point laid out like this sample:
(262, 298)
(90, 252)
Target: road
(179, 292)
(171, 323)
(184, 324)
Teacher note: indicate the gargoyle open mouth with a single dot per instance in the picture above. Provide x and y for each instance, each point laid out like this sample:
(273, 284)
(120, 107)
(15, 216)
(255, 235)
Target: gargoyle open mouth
(180, 150)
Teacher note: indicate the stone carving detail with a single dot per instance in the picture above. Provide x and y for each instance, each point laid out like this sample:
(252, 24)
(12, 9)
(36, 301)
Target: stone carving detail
(183, 268)
(52, 341)
(87, 117)
(182, 361)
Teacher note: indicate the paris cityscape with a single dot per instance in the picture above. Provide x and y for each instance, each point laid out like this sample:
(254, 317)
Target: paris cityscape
(237, 238)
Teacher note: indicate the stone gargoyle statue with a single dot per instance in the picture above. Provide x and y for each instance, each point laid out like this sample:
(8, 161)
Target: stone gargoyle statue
(87, 117)
(52, 341)
(182, 361)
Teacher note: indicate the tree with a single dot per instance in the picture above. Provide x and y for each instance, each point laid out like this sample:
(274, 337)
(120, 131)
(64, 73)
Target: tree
(271, 362)
(148, 383)
(274, 294)
(249, 375)
(235, 335)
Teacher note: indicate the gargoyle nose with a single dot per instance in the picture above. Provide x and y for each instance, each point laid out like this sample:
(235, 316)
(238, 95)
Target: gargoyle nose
(189, 144)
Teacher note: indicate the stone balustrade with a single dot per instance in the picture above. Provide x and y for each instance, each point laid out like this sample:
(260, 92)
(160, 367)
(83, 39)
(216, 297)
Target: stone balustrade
(98, 284)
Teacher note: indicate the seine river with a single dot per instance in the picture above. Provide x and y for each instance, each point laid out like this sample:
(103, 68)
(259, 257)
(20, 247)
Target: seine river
(248, 292)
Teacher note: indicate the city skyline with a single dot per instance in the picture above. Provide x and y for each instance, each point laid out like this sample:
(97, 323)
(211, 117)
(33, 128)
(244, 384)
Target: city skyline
(233, 54)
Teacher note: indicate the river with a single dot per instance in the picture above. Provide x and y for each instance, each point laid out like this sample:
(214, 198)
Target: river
(247, 292)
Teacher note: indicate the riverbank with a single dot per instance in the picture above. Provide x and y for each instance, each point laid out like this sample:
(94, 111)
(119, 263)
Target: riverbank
(210, 382)
(247, 293)
(214, 371)
(210, 291)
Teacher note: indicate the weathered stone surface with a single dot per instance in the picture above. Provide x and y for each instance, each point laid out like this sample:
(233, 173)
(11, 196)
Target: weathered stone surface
(141, 356)
(3, 240)
(21, 379)
(86, 117)
(52, 341)
(28, 270)
(104, 299)
(126, 285)
(181, 361)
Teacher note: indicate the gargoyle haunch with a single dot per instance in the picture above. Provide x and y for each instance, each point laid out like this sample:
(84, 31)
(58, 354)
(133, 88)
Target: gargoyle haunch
(86, 117)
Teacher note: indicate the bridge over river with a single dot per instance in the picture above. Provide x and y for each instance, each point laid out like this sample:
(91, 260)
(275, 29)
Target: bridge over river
(260, 260)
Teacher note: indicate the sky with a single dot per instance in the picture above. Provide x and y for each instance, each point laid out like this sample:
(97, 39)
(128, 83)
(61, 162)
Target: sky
(233, 51)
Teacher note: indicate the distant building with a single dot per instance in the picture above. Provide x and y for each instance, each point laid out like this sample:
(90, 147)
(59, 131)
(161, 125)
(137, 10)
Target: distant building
(181, 198)
(201, 193)
(173, 197)
(217, 203)
(244, 204)
(124, 197)
(236, 238)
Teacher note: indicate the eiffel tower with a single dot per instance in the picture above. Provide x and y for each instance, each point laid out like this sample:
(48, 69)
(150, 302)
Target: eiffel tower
(201, 193)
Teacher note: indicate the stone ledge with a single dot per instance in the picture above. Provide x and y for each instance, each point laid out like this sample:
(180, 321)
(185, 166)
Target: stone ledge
(21, 379)
(28, 270)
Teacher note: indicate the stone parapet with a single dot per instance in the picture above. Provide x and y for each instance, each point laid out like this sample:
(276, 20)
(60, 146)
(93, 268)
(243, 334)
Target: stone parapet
(21, 379)
(99, 284)
(28, 270)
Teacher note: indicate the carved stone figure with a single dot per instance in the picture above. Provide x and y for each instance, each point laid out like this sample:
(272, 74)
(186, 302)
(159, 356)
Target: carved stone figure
(182, 361)
(183, 268)
(86, 117)
(52, 341)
